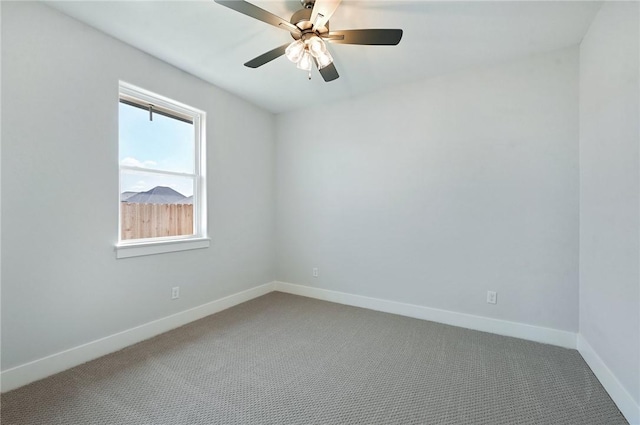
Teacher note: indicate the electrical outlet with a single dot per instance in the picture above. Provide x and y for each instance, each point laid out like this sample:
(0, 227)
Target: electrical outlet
(492, 297)
(175, 292)
(315, 272)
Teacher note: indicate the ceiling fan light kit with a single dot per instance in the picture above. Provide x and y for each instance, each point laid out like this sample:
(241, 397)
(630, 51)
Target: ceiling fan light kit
(309, 28)
(300, 52)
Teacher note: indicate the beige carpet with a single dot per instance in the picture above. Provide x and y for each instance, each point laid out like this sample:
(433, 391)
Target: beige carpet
(283, 359)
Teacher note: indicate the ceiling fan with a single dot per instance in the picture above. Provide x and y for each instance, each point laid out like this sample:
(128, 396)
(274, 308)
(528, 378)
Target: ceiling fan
(309, 28)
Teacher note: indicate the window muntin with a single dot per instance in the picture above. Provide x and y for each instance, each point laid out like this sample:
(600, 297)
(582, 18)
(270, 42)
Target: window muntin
(161, 145)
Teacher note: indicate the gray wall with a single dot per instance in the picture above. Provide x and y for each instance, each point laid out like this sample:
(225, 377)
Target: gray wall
(435, 192)
(61, 283)
(430, 193)
(610, 191)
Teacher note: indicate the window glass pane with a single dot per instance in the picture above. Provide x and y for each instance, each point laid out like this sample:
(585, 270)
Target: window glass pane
(162, 144)
(134, 182)
(154, 206)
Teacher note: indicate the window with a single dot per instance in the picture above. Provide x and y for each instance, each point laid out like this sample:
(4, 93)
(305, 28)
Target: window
(162, 193)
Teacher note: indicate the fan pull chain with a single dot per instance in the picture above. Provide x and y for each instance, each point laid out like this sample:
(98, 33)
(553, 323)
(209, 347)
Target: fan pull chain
(150, 112)
(309, 75)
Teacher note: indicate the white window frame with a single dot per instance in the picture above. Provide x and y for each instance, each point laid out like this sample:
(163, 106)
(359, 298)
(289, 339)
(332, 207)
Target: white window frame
(149, 246)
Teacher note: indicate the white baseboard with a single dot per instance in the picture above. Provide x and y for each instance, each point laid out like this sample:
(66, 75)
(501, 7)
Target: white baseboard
(621, 397)
(41, 368)
(469, 321)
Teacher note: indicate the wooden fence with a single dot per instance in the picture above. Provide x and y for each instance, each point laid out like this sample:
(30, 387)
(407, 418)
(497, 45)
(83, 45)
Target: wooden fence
(155, 220)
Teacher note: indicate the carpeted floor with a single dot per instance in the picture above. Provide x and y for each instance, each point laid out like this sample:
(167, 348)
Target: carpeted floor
(283, 359)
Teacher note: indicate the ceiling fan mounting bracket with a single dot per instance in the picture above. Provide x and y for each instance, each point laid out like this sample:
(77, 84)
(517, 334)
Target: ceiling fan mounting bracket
(308, 4)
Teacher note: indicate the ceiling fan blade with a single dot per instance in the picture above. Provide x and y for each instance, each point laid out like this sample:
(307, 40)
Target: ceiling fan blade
(322, 11)
(255, 12)
(329, 72)
(371, 37)
(267, 57)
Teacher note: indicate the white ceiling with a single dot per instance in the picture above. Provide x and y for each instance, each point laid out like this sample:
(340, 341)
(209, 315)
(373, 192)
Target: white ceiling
(213, 42)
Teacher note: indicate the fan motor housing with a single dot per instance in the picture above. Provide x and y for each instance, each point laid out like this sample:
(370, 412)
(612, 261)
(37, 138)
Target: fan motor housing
(302, 19)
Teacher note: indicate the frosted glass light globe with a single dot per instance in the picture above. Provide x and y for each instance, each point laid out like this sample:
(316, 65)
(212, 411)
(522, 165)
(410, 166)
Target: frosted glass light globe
(316, 46)
(305, 61)
(324, 59)
(294, 51)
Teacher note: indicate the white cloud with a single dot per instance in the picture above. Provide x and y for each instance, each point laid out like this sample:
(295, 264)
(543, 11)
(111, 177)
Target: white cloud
(132, 162)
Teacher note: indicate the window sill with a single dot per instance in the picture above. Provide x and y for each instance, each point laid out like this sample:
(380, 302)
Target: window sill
(160, 247)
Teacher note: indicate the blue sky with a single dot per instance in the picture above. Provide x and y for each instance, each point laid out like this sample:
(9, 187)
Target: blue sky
(161, 144)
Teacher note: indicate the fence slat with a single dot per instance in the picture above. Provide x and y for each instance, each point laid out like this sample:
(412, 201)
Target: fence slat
(154, 220)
